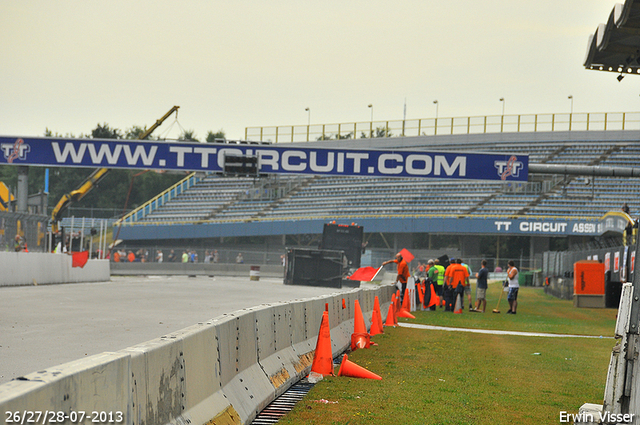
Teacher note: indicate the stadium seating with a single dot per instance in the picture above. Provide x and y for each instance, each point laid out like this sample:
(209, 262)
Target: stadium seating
(223, 199)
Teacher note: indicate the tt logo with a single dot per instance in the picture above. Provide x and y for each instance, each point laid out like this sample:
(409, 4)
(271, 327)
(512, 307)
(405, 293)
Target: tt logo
(18, 150)
(508, 168)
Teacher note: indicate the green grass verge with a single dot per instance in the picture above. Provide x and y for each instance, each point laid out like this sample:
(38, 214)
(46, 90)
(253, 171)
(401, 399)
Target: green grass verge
(441, 377)
(537, 312)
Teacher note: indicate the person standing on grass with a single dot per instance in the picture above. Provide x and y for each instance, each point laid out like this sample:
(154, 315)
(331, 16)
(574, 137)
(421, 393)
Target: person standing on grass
(481, 288)
(432, 280)
(512, 275)
(403, 273)
(467, 288)
(439, 279)
(456, 277)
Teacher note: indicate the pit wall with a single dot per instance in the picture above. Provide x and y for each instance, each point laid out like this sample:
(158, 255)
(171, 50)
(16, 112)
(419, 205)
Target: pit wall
(38, 268)
(223, 371)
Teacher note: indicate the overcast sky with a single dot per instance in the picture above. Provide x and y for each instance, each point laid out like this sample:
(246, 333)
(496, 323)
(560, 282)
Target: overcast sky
(69, 65)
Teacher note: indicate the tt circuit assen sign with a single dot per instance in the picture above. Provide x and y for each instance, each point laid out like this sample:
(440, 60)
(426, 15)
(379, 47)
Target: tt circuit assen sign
(101, 153)
(614, 222)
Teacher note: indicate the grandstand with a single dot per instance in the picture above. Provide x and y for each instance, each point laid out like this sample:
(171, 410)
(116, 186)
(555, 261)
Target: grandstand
(217, 198)
(218, 206)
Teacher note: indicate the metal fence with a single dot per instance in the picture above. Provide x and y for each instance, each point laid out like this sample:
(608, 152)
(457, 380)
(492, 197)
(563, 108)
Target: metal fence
(448, 126)
(260, 255)
(223, 255)
(31, 228)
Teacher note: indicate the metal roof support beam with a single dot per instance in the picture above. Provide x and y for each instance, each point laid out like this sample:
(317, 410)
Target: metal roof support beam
(584, 170)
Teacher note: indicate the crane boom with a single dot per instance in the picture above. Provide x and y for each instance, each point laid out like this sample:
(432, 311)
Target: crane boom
(94, 178)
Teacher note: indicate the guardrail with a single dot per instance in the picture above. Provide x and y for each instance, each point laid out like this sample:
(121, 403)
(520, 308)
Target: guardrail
(222, 371)
(448, 126)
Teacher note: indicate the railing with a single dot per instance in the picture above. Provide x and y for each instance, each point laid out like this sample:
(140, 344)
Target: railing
(533, 188)
(272, 188)
(32, 228)
(448, 126)
(156, 202)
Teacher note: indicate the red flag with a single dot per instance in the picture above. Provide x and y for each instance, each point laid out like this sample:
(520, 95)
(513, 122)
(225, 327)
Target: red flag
(365, 274)
(79, 259)
(406, 255)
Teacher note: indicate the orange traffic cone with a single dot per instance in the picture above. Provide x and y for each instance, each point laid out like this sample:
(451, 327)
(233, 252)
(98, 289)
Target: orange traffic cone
(404, 313)
(376, 306)
(395, 314)
(406, 306)
(360, 340)
(421, 293)
(394, 303)
(349, 368)
(323, 357)
(344, 304)
(435, 300)
(458, 308)
(406, 300)
(358, 319)
(397, 304)
(360, 336)
(376, 320)
(390, 317)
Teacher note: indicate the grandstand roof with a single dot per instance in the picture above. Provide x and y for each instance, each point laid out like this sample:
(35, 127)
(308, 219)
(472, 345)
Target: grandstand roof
(615, 46)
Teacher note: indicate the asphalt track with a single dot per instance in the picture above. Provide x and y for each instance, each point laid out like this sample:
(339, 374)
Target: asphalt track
(47, 325)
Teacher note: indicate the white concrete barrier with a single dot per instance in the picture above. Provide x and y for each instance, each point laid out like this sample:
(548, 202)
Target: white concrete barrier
(199, 269)
(95, 384)
(224, 371)
(29, 268)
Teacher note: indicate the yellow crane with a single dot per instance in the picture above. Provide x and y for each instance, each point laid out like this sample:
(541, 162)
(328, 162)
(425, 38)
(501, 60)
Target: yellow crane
(90, 182)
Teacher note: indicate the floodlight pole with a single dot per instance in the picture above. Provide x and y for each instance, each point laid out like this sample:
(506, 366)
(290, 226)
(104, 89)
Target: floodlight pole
(502, 117)
(570, 113)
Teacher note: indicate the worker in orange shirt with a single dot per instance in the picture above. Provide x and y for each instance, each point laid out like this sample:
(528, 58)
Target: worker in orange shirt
(457, 277)
(403, 273)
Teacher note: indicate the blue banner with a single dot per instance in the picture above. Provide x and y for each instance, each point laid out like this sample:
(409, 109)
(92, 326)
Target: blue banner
(106, 153)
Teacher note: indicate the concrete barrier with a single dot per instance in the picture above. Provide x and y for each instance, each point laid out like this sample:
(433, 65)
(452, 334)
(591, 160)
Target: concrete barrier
(96, 384)
(22, 268)
(198, 269)
(224, 371)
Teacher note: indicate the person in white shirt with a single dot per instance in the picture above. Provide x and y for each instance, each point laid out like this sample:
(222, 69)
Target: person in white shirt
(512, 275)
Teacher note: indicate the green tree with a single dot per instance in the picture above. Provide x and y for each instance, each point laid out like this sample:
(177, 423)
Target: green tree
(111, 193)
(211, 136)
(188, 136)
(378, 132)
(335, 136)
(135, 132)
(105, 132)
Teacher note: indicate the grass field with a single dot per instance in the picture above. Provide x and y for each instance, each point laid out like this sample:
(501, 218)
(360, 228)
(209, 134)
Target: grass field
(442, 377)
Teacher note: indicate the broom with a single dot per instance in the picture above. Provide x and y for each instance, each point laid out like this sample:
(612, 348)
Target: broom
(495, 310)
